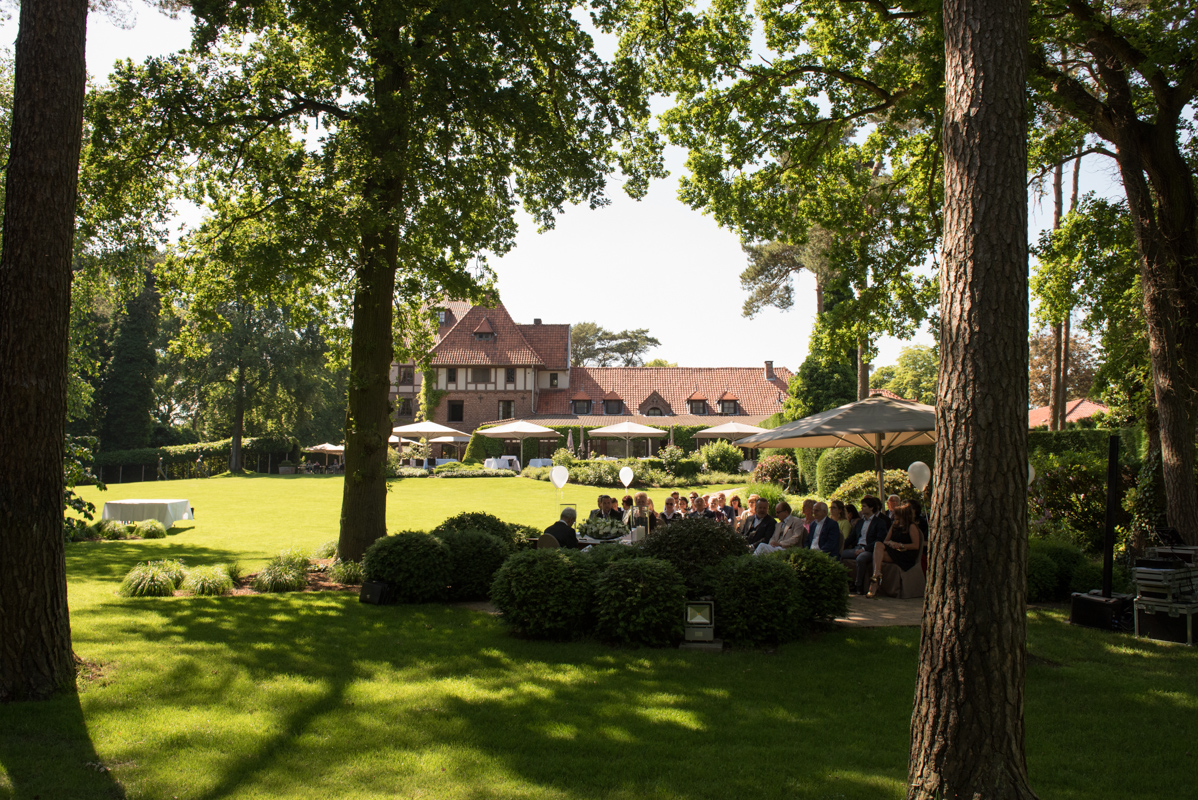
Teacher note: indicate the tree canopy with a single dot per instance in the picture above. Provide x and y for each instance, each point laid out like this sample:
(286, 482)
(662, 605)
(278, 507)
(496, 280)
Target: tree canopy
(595, 346)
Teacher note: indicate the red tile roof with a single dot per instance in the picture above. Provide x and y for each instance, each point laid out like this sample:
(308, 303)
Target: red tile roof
(756, 396)
(1075, 411)
(459, 347)
(484, 327)
(697, 396)
(552, 343)
(728, 395)
(601, 420)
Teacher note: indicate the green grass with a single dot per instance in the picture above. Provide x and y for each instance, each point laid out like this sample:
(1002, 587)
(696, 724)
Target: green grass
(299, 696)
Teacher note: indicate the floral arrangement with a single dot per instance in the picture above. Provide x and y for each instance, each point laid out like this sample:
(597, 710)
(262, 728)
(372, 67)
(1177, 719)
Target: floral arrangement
(599, 528)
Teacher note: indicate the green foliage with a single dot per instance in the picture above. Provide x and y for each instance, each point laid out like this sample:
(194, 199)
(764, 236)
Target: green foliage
(127, 393)
(591, 345)
(430, 395)
(150, 529)
(208, 581)
(279, 577)
(475, 556)
(293, 557)
(480, 448)
(77, 455)
(1086, 576)
(808, 460)
(770, 491)
(416, 564)
(671, 458)
(912, 377)
(173, 568)
(1067, 498)
(694, 546)
(823, 585)
(825, 380)
(234, 570)
(1041, 577)
(639, 601)
(757, 601)
(480, 521)
(277, 447)
(346, 572)
(1066, 556)
(452, 466)
(603, 555)
(113, 530)
(721, 456)
(148, 580)
(325, 550)
(1082, 440)
(477, 473)
(838, 464)
(863, 483)
(777, 468)
(563, 458)
(545, 594)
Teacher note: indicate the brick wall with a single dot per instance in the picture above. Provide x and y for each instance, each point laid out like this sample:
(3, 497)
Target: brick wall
(477, 411)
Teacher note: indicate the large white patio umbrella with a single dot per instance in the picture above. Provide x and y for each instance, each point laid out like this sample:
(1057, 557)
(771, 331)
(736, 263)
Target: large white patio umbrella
(877, 424)
(327, 448)
(425, 430)
(454, 440)
(519, 430)
(729, 430)
(627, 431)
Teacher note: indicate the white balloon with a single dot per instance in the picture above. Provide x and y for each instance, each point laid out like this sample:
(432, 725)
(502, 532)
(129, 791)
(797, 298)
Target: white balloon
(1031, 474)
(920, 474)
(626, 476)
(559, 475)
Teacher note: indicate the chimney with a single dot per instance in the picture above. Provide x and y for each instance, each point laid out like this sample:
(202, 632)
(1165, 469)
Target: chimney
(769, 370)
(536, 321)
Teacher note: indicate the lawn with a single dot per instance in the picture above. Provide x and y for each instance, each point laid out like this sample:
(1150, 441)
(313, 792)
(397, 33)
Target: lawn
(301, 696)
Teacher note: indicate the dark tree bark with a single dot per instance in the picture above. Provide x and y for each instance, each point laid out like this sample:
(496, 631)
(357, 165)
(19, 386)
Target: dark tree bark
(35, 300)
(235, 456)
(862, 372)
(967, 737)
(1055, 391)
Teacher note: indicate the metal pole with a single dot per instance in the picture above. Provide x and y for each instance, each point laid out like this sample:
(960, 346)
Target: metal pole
(120, 474)
(1112, 508)
(143, 473)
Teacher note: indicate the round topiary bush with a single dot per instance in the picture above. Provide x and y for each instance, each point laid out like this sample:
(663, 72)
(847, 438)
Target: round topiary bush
(150, 529)
(416, 564)
(837, 464)
(823, 585)
(545, 594)
(695, 546)
(480, 521)
(474, 558)
(1041, 577)
(863, 483)
(757, 601)
(278, 576)
(603, 555)
(147, 580)
(639, 601)
(208, 581)
(1067, 557)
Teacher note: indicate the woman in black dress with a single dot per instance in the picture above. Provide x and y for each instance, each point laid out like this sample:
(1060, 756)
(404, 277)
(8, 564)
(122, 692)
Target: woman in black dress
(900, 547)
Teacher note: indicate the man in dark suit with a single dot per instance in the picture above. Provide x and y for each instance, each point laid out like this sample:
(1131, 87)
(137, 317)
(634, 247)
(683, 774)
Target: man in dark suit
(606, 509)
(874, 529)
(823, 533)
(563, 530)
(759, 527)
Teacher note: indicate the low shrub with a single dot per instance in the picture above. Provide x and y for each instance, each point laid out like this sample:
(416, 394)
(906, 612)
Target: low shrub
(478, 473)
(714, 479)
(1068, 497)
(452, 466)
(481, 521)
(602, 555)
(474, 558)
(770, 491)
(823, 585)
(416, 564)
(112, 530)
(174, 569)
(234, 570)
(411, 472)
(346, 572)
(326, 550)
(838, 464)
(147, 580)
(563, 457)
(757, 601)
(1041, 577)
(639, 601)
(1067, 557)
(545, 594)
(150, 529)
(1087, 576)
(721, 456)
(293, 557)
(537, 473)
(863, 483)
(694, 546)
(278, 576)
(524, 536)
(775, 469)
(671, 458)
(208, 581)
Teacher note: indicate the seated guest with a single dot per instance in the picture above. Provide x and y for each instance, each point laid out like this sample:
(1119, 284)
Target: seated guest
(701, 510)
(836, 511)
(606, 509)
(640, 515)
(669, 516)
(823, 533)
(787, 533)
(759, 526)
(750, 507)
(874, 525)
(855, 524)
(901, 546)
(892, 504)
(563, 529)
(683, 507)
(627, 503)
(721, 505)
(736, 508)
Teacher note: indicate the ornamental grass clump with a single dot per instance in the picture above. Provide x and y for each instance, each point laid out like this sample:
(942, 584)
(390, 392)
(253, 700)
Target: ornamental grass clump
(175, 569)
(638, 602)
(234, 570)
(293, 557)
(348, 573)
(695, 546)
(147, 580)
(278, 576)
(208, 581)
(150, 529)
(474, 558)
(112, 530)
(757, 601)
(545, 594)
(326, 550)
(416, 565)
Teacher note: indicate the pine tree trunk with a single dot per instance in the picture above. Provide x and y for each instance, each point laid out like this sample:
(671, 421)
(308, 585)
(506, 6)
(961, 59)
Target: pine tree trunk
(1054, 383)
(35, 286)
(235, 458)
(967, 736)
(862, 372)
(1063, 402)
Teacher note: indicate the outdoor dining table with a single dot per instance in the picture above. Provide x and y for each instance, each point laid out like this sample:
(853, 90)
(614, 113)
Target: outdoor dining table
(168, 512)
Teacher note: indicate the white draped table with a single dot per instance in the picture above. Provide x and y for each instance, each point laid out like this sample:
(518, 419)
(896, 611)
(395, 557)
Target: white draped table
(168, 512)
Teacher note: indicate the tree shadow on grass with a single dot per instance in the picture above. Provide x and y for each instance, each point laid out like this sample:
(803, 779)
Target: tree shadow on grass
(403, 700)
(110, 561)
(47, 752)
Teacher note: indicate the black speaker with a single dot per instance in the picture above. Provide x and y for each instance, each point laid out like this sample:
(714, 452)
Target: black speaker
(376, 593)
(1092, 610)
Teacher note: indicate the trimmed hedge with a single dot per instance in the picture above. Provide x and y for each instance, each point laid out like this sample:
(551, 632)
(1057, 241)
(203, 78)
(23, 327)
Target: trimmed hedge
(509, 534)
(1041, 577)
(757, 601)
(415, 564)
(838, 464)
(1067, 558)
(823, 585)
(639, 602)
(856, 487)
(474, 558)
(1073, 441)
(278, 447)
(808, 460)
(545, 594)
(695, 546)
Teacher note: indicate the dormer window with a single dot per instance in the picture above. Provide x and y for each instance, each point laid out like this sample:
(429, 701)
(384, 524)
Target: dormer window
(728, 407)
(580, 406)
(486, 336)
(654, 412)
(697, 407)
(440, 316)
(613, 406)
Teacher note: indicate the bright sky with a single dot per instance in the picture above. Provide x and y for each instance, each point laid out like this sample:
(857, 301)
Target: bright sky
(652, 264)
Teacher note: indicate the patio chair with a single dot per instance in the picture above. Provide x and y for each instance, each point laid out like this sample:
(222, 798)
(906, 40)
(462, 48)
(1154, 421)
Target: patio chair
(547, 542)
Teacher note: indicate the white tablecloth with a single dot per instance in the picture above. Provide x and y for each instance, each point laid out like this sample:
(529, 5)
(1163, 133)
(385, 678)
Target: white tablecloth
(503, 462)
(540, 462)
(168, 512)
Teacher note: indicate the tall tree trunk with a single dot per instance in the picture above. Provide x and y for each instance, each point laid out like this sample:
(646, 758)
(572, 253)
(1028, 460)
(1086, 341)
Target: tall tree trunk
(967, 737)
(1063, 400)
(235, 458)
(35, 301)
(1054, 381)
(862, 371)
